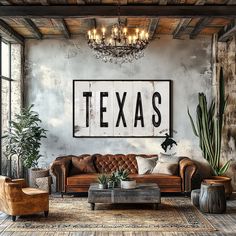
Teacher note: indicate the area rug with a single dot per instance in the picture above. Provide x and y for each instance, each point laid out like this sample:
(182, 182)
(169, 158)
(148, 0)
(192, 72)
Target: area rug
(74, 214)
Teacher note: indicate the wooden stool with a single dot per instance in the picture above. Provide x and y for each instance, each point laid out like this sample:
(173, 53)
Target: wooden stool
(212, 198)
(195, 194)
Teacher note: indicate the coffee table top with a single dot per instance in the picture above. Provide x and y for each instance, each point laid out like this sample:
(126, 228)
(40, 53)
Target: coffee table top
(139, 187)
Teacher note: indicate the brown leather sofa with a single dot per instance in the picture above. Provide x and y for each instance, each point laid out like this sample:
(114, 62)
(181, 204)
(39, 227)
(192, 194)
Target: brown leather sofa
(68, 181)
(16, 199)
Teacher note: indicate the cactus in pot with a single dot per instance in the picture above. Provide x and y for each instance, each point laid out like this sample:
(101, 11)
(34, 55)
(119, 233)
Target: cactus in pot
(208, 128)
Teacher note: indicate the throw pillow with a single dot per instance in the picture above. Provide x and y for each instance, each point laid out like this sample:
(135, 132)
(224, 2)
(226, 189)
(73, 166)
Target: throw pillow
(165, 168)
(145, 165)
(82, 165)
(169, 158)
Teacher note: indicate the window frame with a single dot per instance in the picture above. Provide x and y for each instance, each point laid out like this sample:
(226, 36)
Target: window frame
(9, 79)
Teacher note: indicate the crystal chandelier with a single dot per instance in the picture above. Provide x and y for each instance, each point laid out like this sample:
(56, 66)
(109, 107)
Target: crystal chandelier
(120, 46)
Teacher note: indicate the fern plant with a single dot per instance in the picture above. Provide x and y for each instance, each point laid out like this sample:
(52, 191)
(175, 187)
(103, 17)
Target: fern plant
(208, 127)
(23, 139)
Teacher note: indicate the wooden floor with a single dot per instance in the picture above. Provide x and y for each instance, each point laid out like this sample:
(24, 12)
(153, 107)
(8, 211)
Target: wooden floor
(225, 223)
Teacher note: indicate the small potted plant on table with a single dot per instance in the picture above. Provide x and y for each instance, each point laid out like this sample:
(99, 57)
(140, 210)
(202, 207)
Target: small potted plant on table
(102, 180)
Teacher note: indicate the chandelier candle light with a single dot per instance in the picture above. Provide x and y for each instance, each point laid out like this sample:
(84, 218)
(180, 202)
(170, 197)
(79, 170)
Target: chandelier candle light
(119, 47)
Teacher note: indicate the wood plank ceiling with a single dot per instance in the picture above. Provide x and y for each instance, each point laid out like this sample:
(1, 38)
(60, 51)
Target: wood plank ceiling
(20, 28)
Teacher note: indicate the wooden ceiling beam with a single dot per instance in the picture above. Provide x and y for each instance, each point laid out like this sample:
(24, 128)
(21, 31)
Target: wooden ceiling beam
(30, 25)
(84, 11)
(183, 24)
(10, 32)
(200, 2)
(153, 27)
(61, 25)
(227, 32)
(231, 2)
(45, 2)
(202, 23)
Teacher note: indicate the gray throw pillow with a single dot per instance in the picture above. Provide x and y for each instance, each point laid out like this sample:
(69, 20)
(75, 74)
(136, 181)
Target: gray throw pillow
(146, 165)
(165, 168)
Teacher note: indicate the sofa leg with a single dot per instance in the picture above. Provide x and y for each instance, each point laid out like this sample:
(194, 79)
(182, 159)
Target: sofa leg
(186, 194)
(13, 218)
(62, 194)
(46, 214)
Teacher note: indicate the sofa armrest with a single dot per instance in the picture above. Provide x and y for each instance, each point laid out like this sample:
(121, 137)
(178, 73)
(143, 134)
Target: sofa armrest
(60, 169)
(187, 169)
(20, 181)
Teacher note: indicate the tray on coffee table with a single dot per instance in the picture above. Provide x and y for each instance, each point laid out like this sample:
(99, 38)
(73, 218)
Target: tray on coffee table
(143, 193)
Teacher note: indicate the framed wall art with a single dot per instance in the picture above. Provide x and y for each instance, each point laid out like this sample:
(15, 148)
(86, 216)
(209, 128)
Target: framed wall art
(122, 108)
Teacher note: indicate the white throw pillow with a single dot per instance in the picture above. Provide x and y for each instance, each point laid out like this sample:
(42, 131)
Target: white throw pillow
(165, 168)
(146, 165)
(169, 158)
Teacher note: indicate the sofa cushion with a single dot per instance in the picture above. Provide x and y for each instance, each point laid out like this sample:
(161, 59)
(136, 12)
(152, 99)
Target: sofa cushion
(82, 164)
(145, 165)
(165, 168)
(160, 179)
(110, 163)
(82, 179)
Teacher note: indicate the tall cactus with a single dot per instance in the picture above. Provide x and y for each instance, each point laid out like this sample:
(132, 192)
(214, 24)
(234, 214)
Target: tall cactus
(209, 126)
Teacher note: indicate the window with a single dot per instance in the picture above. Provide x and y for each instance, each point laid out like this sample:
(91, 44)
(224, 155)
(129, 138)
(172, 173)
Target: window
(10, 86)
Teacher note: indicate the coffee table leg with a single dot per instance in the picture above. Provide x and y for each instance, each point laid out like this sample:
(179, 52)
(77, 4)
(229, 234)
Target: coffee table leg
(92, 206)
(155, 206)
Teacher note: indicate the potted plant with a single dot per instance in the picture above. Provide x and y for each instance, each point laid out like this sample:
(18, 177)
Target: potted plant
(102, 180)
(126, 182)
(113, 181)
(208, 128)
(23, 140)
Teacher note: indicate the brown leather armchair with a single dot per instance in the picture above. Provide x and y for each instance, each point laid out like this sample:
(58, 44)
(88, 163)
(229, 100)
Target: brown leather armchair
(17, 199)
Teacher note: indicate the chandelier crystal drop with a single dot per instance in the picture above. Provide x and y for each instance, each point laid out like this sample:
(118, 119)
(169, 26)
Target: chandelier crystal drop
(120, 46)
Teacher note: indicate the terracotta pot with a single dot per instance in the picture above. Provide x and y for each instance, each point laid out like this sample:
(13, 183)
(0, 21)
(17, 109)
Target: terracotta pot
(226, 181)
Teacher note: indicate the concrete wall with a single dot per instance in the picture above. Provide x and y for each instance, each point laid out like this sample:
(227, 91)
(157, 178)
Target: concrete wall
(51, 65)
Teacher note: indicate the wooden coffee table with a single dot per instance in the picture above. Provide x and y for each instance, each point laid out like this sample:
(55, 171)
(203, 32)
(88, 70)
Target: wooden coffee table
(143, 193)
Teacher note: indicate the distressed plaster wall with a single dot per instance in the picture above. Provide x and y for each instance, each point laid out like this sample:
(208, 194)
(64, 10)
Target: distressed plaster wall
(51, 65)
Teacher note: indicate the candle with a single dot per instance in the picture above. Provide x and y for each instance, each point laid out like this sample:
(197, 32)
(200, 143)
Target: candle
(115, 30)
(130, 39)
(146, 36)
(137, 31)
(134, 39)
(94, 33)
(125, 31)
(97, 38)
(89, 34)
(142, 34)
(110, 41)
(103, 31)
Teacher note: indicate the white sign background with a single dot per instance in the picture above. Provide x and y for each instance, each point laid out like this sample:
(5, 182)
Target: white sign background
(88, 109)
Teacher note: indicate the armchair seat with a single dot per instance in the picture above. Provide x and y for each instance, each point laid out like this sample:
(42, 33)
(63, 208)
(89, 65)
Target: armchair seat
(16, 199)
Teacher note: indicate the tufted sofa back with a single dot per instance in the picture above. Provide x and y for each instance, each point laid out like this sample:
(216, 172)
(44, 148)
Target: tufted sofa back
(109, 163)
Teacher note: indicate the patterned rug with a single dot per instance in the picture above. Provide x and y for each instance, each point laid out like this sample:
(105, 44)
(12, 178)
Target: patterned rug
(74, 214)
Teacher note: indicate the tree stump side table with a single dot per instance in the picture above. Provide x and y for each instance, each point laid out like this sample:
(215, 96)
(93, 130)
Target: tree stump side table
(212, 198)
(195, 194)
